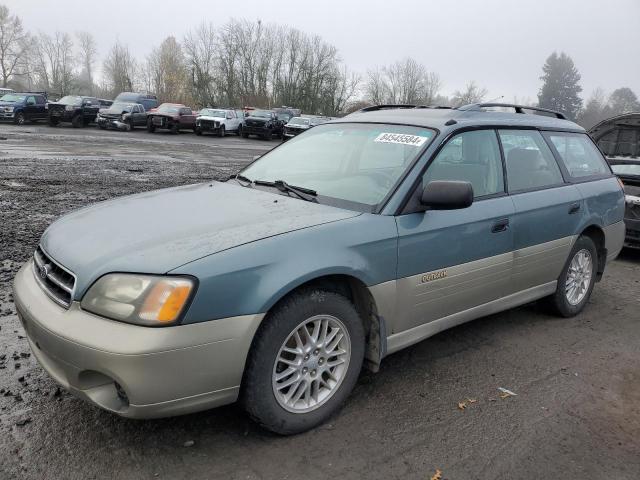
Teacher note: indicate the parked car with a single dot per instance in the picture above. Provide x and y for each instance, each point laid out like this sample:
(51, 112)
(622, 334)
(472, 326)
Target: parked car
(122, 116)
(263, 123)
(619, 139)
(148, 101)
(297, 125)
(79, 110)
(287, 113)
(4, 91)
(219, 121)
(23, 107)
(171, 116)
(363, 236)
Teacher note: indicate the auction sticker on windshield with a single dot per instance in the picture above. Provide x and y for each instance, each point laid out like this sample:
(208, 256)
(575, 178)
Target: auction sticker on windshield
(401, 138)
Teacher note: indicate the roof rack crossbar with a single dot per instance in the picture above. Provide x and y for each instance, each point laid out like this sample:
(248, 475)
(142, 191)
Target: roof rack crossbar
(517, 108)
(374, 108)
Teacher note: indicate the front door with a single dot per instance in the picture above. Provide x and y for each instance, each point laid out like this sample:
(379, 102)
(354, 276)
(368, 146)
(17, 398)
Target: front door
(453, 260)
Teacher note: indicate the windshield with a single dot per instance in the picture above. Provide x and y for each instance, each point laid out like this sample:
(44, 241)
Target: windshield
(71, 100)
(355, 163)
(213, 113)
(261, 113)
(168, 109)
(632, 169)
(124, 107)
(299, 121)
(13, 98)
(284, 116)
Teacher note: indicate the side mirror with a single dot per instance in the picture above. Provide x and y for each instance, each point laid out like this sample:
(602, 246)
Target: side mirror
(447, 195)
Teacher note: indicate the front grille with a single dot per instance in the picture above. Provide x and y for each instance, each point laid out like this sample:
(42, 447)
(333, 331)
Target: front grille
(56, 281)
(209, 123)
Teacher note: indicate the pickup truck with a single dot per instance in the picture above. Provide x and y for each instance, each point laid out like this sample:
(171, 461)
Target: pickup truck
(79, 110)
(23, 107)
(219, 121)
(171, 116)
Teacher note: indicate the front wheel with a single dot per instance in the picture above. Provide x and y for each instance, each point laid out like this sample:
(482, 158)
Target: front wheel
(19, 120)
(577, 279)
(304, 362)
(239, 130)
(221, 133)
(150, 126)
(77, 121)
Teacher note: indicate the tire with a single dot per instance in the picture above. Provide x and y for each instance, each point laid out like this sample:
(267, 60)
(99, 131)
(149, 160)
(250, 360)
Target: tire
(222, 132)
(245, 135)
(77, 121)
(102, 127)
(563, 302)
(197, 131)
(268, 136)
(19, 119)
(130, 126)
(174, 129)
(150, 126)
(53, 122)
(239, 130)
(308, 306)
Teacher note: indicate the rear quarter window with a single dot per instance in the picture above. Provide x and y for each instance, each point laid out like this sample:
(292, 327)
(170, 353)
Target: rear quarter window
(579, 155)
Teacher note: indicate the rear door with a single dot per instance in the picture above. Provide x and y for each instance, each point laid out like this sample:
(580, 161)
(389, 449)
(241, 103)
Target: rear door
(453, 260)
(547, 210)
(40, 108)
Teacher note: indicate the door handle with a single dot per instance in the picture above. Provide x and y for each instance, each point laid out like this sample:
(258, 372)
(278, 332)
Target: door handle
(574, 208)
(500, 226)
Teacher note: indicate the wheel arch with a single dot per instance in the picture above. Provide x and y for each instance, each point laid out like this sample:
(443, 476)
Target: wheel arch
(357, 291)
(597, 235)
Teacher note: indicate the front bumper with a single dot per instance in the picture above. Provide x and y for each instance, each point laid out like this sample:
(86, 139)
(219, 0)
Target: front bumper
(632, 235)
(111, 123)
(135, 371)
(256, 130)
(7, 115)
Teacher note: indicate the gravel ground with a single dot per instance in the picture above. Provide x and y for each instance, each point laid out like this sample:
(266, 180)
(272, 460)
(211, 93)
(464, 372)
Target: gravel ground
(434, 406)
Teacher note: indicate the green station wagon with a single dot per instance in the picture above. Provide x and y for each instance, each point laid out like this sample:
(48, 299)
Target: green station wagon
(351, 241)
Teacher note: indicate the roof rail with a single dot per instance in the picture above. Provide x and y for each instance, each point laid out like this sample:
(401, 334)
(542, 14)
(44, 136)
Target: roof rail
(477, 107)
(374, 108)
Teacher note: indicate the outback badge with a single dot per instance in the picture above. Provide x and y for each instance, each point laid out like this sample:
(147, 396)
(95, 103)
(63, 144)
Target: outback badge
(429, 277)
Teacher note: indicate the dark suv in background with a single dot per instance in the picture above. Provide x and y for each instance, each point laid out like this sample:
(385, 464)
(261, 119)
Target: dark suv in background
(148, 101)
(264, 124)
(23, 107)
(79, 110)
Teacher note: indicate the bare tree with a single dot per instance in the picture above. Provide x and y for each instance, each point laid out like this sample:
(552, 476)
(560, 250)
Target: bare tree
(14, 45)
(167, 72)
(200, 50)
(404, 82)
(55, 63)
(119, 70)
(87, 58)
(472, 93)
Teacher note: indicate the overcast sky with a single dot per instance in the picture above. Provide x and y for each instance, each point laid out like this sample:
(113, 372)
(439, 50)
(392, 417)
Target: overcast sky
(501, 44)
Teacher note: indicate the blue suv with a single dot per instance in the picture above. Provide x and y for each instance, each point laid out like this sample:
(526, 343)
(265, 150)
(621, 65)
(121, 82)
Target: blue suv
(347, 243)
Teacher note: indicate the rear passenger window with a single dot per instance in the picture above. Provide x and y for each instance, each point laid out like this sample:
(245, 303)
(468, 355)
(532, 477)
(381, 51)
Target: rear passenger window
(579, 155)
(472, 157)
(530, 163)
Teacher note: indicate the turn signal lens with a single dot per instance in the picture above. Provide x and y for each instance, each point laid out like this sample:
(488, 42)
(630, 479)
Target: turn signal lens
(151, 300)
(621, 184)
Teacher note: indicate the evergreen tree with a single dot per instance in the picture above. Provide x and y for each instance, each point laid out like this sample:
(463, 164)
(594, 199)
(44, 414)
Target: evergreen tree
(560, 89)
(624, 100)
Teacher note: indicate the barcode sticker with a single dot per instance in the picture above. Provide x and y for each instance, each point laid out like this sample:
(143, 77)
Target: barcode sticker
(401, 138)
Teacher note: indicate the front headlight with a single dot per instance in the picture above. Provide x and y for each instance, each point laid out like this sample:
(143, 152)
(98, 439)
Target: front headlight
(632, 199)
(141, 299)
(69, 108)
(8, 109)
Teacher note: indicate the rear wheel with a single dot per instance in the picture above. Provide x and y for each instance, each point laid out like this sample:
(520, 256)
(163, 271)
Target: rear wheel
(197, 131)
(304, 362)
(150, 126)
(577, 279)
(77, 121)
(19, 119)
(174, 129)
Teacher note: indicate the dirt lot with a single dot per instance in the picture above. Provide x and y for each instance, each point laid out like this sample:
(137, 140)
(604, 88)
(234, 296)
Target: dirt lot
(576, 414)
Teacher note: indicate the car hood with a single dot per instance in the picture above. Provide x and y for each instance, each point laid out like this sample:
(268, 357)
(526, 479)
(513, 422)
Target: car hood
(9, 104)
(158, 231)
(257, 120)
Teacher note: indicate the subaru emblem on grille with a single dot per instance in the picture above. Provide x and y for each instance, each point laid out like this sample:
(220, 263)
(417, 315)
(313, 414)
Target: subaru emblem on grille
(44, 271)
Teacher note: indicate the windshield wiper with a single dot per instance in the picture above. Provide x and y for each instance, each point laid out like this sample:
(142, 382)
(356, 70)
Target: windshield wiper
(239, 177)
(303, 193)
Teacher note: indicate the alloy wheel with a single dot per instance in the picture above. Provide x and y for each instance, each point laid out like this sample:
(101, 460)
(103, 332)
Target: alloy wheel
(311, 364)
(579, 277)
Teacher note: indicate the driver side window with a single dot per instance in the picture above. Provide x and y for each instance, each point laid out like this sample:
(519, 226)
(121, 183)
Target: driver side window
(472, 157)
